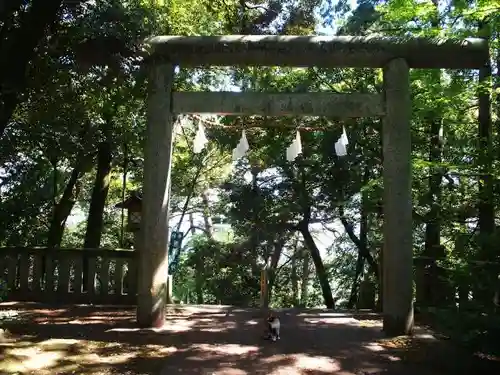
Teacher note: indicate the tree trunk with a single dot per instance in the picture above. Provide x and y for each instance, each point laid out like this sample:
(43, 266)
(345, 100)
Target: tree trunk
(99, 195)
(353, 297)
(361, 245)
(63, 209)
(254, 234)
(463, 287)
(380, 299)
(124, 191)
(361, 242)
(275, 257)
(198, 282)
(497, 123)
(304, 284)
(486, 206)
(432, 247)
(175, 258)
(326, 290)
(207, 217)
(496, 299)
(191, 222)
(294, 280)
(95, 218)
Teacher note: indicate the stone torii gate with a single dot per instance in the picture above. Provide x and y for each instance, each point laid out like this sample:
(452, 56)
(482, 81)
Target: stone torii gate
(395, 55)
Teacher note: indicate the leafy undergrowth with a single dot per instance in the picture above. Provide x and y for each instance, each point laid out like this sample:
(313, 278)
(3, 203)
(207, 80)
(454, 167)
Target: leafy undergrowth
(448, 342)
(470, 338)
(474, 330)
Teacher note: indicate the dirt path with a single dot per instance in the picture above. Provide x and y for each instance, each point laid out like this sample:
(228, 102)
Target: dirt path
(207, 340)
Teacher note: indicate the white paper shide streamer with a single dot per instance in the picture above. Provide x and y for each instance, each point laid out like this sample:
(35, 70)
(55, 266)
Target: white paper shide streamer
(241, 149)
(295, 148)
(182, 122)
(341, 144)
(292, 151)
(200, 140)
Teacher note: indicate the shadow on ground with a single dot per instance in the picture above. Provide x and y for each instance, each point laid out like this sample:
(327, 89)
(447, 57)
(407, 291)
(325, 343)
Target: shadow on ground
(215, 340)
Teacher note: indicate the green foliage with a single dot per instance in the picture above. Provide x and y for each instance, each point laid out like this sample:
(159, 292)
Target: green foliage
(216, 273)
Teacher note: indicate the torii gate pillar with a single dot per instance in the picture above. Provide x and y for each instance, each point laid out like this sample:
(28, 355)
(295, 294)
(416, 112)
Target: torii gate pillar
(154, 236)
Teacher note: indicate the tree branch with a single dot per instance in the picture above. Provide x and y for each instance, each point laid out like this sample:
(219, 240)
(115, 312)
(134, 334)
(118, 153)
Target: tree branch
(365, 253)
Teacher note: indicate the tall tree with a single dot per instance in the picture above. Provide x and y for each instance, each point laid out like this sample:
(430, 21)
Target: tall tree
(23, 26)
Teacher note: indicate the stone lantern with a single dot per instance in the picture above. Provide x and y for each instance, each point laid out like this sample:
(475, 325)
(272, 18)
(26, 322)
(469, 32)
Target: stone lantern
(133, 205)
